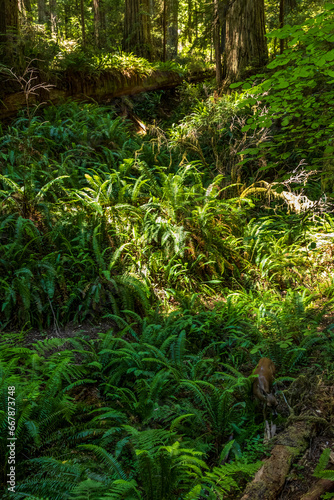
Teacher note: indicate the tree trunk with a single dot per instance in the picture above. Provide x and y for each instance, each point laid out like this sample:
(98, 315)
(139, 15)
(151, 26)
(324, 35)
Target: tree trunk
(83, 29)
(9, 27)
(269, 480)
(137, 28)
(24, 8)
(164, 31)
(27, 5)
(217, 44)
(281, 24)
(67, 17)
(103, 23)
(145, 22)
(190, 21)
(96, 10)
(245, 44)
(53, 16)
(41, 8)
(2, 21)
(11, 11)
(173, 27)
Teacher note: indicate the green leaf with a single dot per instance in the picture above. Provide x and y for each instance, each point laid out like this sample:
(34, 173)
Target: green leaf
(235, 85)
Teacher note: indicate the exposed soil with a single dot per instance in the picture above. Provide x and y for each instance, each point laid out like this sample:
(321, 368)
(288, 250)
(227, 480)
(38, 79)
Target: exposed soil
(86, 330)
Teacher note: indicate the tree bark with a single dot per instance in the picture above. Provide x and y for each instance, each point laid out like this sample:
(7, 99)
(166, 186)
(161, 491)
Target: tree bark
(9, 27)
(164, 31)
(321, 487)
(189, 21)
(67, 17)
(2, 21)
(100, 87)
(24, 8)
(96, 10)
(217, 44)
(41, 9)
(83, 29)
(11, 11)
(53, 16)
(245, 43)
(281, 24)
(173, 26)
(137, 28)
(269, 480)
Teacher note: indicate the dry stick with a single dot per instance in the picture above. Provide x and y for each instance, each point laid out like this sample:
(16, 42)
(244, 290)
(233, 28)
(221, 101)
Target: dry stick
(287, 404)
(56, 326)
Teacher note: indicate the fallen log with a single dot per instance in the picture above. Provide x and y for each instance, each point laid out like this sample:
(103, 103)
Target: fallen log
(269, 480)
(87, 87)
(320, 487)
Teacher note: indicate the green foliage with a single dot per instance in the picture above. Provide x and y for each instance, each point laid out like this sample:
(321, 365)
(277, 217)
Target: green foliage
(295, 100)
(321, 472)
(197, 279)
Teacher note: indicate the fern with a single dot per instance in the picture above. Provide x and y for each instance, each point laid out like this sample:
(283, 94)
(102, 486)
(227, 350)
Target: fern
(320, 470)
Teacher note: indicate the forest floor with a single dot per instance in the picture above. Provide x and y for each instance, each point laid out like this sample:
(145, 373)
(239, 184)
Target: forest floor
(311, 396)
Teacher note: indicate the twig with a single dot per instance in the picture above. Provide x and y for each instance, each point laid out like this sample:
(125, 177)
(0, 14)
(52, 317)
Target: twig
(56, 326)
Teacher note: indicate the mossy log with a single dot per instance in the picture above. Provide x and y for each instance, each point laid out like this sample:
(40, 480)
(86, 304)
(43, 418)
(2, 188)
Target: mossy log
(99, 88)
(319, 488)
(269, 480)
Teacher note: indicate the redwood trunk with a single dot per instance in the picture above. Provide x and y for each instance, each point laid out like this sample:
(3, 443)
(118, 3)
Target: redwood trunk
(96, 10)
(41, 8)
(281, 24)
(53, 16)
(83, 29)
(164, 31)
(217, 44)
(173, 27)
(137, 28)
(11, 11)
(245, 43)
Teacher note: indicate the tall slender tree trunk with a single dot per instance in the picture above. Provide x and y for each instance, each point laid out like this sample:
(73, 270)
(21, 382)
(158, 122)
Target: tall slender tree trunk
(245, 44)
(83, 29)
(67, 18)
(27, 5)
(41, 9)
(190, 27)
(103, 23)
(11, 13)
(137, 28)
(9, 27)
(23, 4)
(145, 23)
(53, 16)
(281, 24)
(173, 27)
(217, 44)
(2, 22)
(196, 21)
(164, 31)
(96, 10)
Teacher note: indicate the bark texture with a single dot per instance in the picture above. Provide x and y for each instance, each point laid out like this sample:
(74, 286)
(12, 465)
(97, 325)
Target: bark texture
(96, 11)
(320, 488)
(11, 14)
(217, 43)
(41, 9)
(269, 480)
(2, 20)
(102, 88)
(53, 16)
(173, 26)
(83, 27)
(137, 28)
(245, 43)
